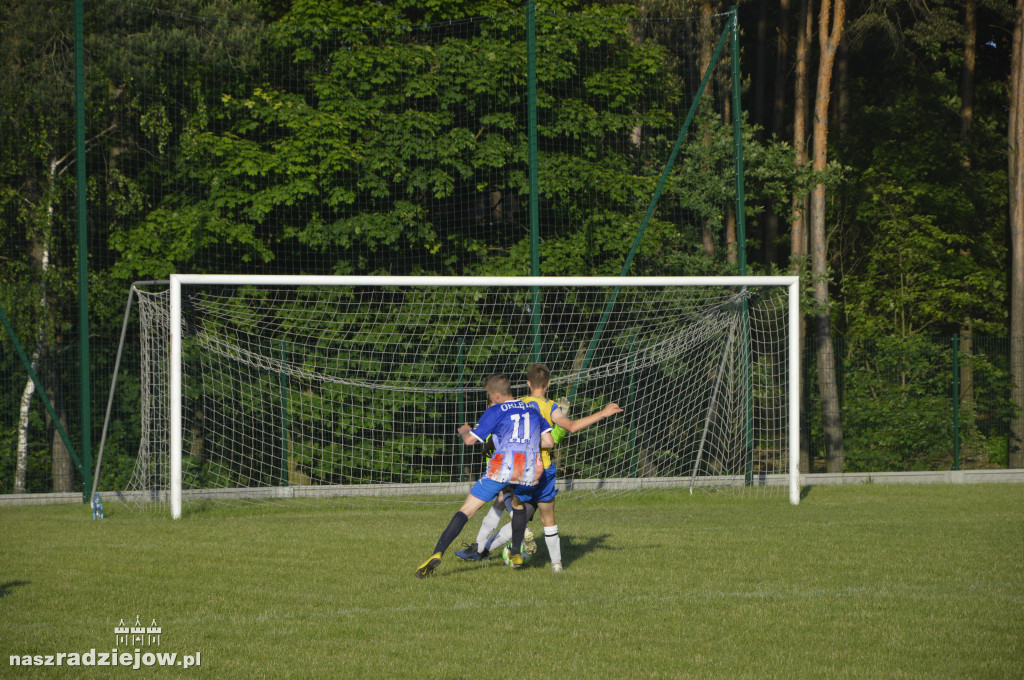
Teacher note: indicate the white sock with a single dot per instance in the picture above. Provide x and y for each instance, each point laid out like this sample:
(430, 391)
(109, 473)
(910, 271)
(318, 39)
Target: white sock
(554, 546)
(489, 524)
(503, 536)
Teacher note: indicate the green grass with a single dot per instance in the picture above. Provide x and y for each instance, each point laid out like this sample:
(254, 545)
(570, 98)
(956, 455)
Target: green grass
(865, 581)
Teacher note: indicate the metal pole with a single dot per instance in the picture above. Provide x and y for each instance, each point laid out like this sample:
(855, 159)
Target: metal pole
(42, 392)
(592, 348)
(85, 401)
(531, 98)
(113, 381)
(956, 401)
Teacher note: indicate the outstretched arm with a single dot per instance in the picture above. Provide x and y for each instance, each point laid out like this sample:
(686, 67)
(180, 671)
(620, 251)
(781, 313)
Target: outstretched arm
(558, 418)
(465, 431)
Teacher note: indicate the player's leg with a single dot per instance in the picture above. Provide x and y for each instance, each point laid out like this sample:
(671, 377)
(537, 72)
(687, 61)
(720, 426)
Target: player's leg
(504, 534)
(518, 532)
(551, 540)
(481, 546)
(482, 493)
(546, 506)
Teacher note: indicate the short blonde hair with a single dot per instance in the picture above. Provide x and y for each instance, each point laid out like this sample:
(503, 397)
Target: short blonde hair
(539, 375)
(499, 384)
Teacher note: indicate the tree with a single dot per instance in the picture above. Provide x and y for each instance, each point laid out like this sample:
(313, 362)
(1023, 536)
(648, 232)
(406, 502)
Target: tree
(798, 208)
(1015, 173)
(36, 204)
(831, 20)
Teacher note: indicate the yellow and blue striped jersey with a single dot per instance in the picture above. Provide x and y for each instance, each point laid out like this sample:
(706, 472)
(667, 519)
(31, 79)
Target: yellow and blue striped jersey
(547, 408)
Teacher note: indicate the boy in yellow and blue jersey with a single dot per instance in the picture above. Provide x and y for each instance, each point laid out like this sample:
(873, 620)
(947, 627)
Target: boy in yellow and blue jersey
(518, 436)
(542, 498)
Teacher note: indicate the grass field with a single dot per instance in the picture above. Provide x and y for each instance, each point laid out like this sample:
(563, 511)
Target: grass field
(864, 581)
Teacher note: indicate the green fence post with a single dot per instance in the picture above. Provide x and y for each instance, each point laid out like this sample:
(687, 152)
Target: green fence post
(531, 116)
(955, 339)
(85, 400)
(592, 348)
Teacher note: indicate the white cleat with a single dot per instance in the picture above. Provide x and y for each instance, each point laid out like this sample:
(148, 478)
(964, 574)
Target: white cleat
(556, 567)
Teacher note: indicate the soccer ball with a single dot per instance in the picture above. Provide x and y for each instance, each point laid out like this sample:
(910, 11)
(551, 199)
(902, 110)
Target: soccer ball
(528, 547)
(506, 554)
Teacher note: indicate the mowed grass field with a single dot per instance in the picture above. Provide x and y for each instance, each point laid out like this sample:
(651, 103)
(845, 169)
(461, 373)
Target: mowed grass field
(861, 581)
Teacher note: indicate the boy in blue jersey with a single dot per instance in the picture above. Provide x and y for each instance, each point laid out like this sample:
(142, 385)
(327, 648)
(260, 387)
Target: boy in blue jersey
(538, 377)
(518, 434)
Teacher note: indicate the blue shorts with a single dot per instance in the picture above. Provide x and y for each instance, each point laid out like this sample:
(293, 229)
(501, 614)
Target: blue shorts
(487, 489)
(544, 492)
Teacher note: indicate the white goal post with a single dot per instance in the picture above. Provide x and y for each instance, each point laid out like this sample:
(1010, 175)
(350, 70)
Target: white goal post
(745, 360)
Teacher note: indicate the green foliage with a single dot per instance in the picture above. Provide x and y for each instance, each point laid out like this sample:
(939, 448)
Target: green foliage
(924, 209)
(368, 137)
(380, 144)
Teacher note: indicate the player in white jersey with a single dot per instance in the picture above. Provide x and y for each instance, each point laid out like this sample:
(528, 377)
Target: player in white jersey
(518, 434)
(538, 377)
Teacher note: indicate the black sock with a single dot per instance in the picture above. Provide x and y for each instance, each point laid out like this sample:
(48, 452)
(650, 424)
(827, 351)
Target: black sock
(518, 530)
(451, 532)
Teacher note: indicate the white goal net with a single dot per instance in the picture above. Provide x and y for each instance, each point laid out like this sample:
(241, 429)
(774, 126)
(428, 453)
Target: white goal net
(301, 387)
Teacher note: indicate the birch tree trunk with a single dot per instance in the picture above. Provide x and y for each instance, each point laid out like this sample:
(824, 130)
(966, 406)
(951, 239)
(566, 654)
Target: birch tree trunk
(40, 255)
(21, 467)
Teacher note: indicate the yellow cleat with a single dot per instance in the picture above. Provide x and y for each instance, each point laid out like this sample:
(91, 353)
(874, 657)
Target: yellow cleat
(515, 560)
(427, 567)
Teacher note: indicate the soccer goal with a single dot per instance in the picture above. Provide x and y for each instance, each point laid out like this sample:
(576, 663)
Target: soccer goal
(286, 387)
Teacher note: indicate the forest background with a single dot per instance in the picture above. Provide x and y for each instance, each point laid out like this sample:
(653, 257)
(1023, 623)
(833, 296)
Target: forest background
(881, 147)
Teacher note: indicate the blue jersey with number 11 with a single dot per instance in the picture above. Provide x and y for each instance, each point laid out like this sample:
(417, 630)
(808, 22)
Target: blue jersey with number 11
(515, 428)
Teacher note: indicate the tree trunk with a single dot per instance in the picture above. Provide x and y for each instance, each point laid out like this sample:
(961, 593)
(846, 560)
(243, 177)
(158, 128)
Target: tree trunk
(61, 467)
(830, 31)
(967, 79)
(966, 351)
(39, 255)
(760, 67)
(731, 245)
(781, 68)
(21, 467)
(801, 94)
(1015, 146)
(966, 127)
(770, 233)
(841, 100)
(798, 239)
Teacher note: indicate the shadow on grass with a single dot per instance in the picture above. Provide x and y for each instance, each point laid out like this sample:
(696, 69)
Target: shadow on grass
(7, 588)
(575, 547)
